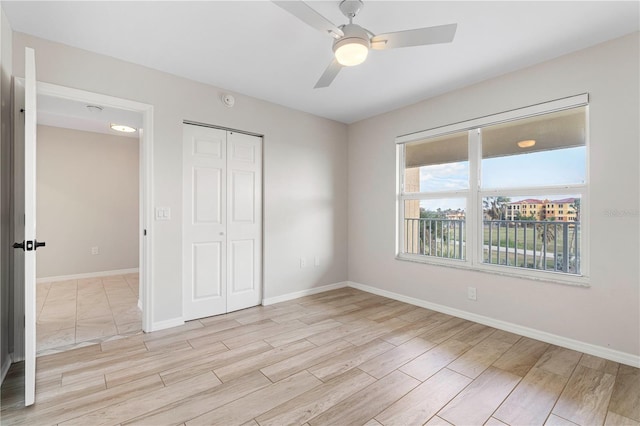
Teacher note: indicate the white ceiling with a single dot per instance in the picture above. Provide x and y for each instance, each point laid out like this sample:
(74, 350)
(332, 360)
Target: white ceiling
(258, 49)
(69, 114)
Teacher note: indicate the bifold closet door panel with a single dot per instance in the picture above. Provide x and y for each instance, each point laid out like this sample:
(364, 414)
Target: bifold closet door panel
(244, 221)
(204, 222)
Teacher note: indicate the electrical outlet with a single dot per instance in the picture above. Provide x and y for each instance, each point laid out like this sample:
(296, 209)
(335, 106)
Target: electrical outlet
(316, 261)
(303, 262)
(471, 293)
(95, 250)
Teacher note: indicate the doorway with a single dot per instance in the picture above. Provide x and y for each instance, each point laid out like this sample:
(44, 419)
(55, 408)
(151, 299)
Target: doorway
(145, 224)
(87, 211)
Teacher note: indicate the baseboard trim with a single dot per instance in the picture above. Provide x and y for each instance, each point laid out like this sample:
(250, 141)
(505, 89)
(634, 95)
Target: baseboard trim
(6, 363)
(588, 348)
(161, 325)
(302, 293)
(87, 275)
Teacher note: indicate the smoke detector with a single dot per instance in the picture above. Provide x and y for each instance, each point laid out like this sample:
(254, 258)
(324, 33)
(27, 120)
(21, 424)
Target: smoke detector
(228, 100)
(94, 109)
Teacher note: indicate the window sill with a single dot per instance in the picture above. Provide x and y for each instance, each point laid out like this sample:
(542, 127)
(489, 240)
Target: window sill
(543, 276)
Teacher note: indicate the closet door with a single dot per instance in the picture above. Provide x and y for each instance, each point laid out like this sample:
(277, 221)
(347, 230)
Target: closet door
(244, 221)
(222, 221)
(204, 222)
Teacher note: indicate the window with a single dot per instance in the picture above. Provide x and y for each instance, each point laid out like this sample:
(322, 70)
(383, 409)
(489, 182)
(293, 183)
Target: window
(436, 183)
(524, 212)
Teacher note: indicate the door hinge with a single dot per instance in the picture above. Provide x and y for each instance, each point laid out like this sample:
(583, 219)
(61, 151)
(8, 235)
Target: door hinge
(144, 233)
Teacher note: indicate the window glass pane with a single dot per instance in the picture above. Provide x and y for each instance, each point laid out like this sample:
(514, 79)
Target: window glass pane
(435, 228)
(437, 164)
(532, 232)
(544, 150)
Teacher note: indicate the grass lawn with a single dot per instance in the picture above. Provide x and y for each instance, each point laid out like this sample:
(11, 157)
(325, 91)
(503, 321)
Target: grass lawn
(511, 237)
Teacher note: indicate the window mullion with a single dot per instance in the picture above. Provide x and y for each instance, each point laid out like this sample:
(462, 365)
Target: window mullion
(474, 209)
(400, 161)
(533, 191)
(434, 195)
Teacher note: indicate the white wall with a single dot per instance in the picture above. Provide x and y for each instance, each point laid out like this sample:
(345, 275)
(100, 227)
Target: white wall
(607, 314)
(305, 167)
(5, 190)
(87, 196)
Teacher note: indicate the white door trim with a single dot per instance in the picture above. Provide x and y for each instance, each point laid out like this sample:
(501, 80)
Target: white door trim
(146, 180)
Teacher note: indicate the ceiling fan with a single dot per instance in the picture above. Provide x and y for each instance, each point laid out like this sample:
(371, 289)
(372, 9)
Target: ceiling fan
(352, 42)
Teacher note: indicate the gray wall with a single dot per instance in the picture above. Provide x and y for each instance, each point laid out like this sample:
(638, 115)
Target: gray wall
(607, 314)
(87, 196)
(305, 168)
(5, 181)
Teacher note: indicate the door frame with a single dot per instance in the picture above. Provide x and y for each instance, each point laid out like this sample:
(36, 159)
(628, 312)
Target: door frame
(145, 210)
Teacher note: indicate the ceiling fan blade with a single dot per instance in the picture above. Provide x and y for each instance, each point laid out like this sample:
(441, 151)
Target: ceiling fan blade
(418, 37)
(306, 14)
(328, 75)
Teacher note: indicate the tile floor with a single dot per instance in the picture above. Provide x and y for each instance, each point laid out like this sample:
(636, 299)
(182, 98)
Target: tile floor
(76, 313)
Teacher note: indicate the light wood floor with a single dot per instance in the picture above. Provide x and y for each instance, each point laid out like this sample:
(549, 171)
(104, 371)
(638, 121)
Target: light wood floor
(343, 357)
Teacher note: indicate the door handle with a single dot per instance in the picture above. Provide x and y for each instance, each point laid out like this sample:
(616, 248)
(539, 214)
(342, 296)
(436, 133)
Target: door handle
(29, 245)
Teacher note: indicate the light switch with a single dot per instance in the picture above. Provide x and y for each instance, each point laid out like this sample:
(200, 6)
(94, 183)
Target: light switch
(163, 213)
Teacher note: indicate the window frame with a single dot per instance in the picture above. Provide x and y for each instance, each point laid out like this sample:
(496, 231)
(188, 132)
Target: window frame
(475, 193)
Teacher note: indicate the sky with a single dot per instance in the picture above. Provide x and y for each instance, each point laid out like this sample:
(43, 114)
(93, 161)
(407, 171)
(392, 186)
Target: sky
(562, 166)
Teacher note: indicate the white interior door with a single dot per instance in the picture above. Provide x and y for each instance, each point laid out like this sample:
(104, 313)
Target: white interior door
(244, 221)
(222, 228)
(25, 199)
(204, 222)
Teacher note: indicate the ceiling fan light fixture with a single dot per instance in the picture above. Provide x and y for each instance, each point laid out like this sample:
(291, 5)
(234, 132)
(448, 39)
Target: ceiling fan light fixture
(353, 48)
(353, 42)
(351, 53)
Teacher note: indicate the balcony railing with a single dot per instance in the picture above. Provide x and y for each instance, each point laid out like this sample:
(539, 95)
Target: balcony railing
(541, 245)
(435, 237)
(545, 245)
